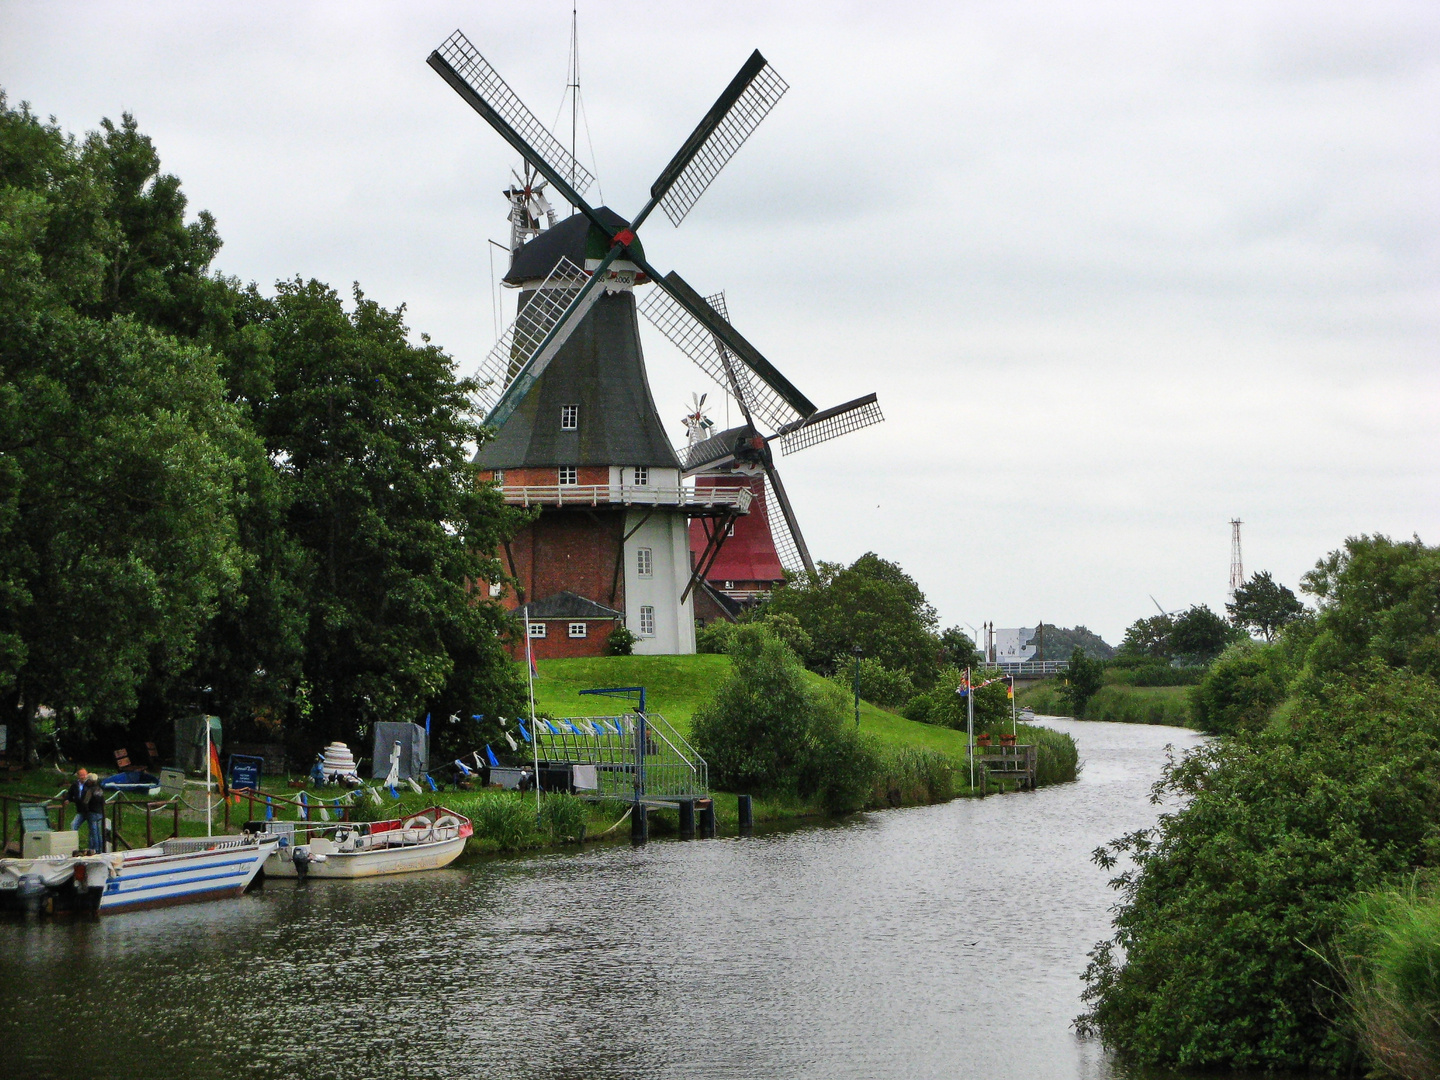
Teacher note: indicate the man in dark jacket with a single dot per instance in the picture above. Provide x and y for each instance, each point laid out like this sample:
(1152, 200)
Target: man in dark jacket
(89, 802)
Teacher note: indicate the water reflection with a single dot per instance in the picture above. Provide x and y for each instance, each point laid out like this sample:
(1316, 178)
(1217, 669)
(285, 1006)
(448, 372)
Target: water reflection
(943, 941)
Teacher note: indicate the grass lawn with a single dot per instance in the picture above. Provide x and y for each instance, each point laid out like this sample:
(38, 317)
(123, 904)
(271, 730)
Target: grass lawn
(676, 686)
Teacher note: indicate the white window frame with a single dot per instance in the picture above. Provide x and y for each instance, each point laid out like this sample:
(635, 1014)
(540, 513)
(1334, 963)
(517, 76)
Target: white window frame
(496, 589)
(569, 417)
(569, 475)
(537, 629)
(642, 475)
(579, 629)
(645, 562)
(647, 620)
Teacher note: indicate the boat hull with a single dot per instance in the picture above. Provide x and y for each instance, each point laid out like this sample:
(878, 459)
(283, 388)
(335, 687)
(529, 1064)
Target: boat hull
(359, 864)
(161, 880)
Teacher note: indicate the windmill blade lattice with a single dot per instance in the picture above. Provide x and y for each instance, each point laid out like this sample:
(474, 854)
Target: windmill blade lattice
(785, 546)
(830, 423)
(696, 341)
(523, 337)
(731, 120)
(485, 82)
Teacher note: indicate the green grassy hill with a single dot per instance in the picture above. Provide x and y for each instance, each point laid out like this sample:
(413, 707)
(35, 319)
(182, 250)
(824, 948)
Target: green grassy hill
(676, 686)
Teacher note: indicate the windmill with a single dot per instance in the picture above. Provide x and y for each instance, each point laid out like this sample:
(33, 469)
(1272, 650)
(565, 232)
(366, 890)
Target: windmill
(528, 207)
(596, 258)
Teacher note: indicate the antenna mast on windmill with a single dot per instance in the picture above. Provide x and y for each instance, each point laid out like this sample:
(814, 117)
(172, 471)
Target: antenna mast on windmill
(1237, 566)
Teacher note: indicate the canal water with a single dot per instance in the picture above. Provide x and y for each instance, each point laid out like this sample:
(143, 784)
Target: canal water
(942, 941)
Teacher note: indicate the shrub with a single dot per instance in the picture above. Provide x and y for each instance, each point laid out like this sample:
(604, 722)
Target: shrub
(1232, 899)
(1153, 674)
(769, 731)
(1083, 678)
(621, 642)
(878, 684)
(714, 637)
(1238, 691)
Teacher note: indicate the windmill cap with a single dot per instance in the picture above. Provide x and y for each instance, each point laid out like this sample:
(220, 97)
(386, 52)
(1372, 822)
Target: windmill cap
(575, 239)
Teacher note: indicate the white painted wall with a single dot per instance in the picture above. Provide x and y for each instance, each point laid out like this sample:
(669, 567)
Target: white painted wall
(667, 536)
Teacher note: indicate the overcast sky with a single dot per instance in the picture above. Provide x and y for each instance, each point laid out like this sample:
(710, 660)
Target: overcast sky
(1118, 272)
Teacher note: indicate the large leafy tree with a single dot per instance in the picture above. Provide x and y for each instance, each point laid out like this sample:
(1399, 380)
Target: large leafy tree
(1263, 606)
(1379, 599)
(371, 438)
(121, 454)
(872, 604)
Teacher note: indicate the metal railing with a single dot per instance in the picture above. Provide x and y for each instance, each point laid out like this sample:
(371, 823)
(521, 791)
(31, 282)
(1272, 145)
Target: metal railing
(1034, 668)
(668, 767)
(627, 494)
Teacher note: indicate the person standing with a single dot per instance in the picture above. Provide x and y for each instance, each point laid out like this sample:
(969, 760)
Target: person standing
(76, 794)
(89, 800)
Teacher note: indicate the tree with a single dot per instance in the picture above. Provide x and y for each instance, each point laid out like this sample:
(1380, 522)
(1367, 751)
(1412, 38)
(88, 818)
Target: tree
(958, 649)
(1263, 606)
(122, 457)
(1147, 639)
(370, 436)
(873, 604)
(1378, 599)
(1199, 635)
(1083, 678)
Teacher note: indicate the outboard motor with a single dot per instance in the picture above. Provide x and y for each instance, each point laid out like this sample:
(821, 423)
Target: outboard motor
(31, 893)
(301, 858)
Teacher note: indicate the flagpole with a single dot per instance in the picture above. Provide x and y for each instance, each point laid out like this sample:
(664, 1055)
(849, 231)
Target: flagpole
(970, 723)
(534, 727)
(1012, 704)
(209, 768)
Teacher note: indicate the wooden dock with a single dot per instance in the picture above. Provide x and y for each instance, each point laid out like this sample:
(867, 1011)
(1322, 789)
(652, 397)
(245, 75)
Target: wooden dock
(1007, 763)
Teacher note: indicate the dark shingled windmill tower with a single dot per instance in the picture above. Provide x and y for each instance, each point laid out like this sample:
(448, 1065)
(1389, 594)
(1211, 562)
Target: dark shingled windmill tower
(565, 388)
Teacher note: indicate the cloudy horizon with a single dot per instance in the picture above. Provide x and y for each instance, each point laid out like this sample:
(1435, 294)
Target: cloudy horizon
(1119, 274)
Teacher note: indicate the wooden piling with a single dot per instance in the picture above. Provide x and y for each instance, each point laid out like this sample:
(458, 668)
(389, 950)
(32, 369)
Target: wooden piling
(639, 823)
(746, 808)
(707, 819)
(687, 819)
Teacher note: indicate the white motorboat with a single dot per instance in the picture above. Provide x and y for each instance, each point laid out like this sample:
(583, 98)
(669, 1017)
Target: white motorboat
(429, 840)
(178, 871)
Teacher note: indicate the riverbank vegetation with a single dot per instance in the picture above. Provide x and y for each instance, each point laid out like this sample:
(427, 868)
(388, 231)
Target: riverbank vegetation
(1244, 937)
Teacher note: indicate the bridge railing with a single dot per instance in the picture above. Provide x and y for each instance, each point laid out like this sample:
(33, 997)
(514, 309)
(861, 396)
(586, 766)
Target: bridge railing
(1033, 669)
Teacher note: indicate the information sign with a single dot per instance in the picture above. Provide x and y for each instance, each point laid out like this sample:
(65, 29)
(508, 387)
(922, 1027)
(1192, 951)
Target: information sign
(245, 772)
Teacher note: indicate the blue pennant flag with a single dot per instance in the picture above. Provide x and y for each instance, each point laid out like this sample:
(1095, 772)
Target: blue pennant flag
(464, 769)
(523, 733)
(599, 726)
(571, 725)
(491, 755)
(477, 716)
(552, 727)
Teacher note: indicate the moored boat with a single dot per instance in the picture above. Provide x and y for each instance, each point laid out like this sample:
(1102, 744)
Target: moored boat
(429, 840)
(177, 871)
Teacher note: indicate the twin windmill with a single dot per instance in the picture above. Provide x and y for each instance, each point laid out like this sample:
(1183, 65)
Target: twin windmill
(620, 535)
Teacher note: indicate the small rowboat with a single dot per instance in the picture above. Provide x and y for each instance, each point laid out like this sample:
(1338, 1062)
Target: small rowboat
(179, 871)
(425, 841)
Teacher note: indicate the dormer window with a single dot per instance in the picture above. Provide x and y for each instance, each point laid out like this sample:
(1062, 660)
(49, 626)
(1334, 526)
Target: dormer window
(569, 417)
(642, 475)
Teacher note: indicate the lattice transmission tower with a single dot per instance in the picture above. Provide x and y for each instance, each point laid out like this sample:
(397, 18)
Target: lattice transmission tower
(1237, 565)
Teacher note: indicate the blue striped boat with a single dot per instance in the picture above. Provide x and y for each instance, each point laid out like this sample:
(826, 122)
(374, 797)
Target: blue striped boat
(185, 871)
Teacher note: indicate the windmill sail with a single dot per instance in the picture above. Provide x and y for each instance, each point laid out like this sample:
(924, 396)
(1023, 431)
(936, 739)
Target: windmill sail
(785, 546)
(703, 346)
(723, 130)
(522, 338)
(830, 423)
(471, 76)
